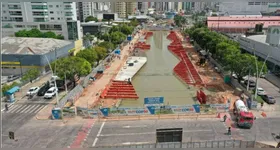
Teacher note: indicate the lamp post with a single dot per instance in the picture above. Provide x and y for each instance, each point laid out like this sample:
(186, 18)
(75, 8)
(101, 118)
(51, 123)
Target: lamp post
(19, 59)
(56, 94)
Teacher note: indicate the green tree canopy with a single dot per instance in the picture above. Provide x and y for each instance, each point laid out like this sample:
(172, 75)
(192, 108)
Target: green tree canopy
(88, 54)
(37, 34)
(101, 53)
(107, 45)
(180, 20)
(71, 66)
(91, 18)
(134, 22)
(31, 74)
(117, 37)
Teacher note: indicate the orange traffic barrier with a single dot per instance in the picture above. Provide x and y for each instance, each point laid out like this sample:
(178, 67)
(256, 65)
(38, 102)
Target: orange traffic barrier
(219, 115)
(263, 114)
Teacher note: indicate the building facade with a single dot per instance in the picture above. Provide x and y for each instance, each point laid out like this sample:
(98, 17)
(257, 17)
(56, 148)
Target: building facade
(51, 16)
(248, 6)
(240, 24)
(21, 54)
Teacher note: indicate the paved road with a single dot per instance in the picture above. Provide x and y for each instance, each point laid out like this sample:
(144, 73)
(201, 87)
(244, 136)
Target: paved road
(44, 134)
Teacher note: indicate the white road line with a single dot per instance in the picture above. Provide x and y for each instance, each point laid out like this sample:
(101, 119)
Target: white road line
(9, 105)
(143, 133)
(18, 110)
(26, 108)
(135, 126)
(27, 111)
(40, 108)
(98, 134)
(136, 143)
(36, 106)
(14, 108)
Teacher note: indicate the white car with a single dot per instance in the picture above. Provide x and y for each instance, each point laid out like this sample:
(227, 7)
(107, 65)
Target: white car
(33, 91)
(50, 93)
(261, 91)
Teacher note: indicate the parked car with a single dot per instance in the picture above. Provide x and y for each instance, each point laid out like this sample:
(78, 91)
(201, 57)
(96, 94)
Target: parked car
(251, 83)
(43, 89)
(12, 78)
(261, 91)
(268, 99)
(51, 93)
(33, 91)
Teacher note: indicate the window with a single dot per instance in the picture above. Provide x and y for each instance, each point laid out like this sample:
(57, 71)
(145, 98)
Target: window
(50, 27)
(51, 12)
(31, 26)
(39, 13)
(4, 11)
(51, 6)
(257, 3)
(264, 3)
(15, 13)
(40, 20)
(57, 6)
(39, 7)
(69, 18)
(52, 18)
(19, 26)
(7, 18)
(250, 3)
(58, 18)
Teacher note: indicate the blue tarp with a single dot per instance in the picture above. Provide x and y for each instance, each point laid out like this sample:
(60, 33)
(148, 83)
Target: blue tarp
(12, 90)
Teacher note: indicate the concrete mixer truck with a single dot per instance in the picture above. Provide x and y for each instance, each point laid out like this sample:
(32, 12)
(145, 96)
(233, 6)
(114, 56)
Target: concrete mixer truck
(244, 118)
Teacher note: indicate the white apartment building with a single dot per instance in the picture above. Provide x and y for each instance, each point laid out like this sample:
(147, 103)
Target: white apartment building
(85, 9)
(51, 16)
(248, 7)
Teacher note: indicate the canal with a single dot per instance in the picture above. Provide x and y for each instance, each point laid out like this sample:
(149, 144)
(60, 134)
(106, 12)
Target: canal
(156, 77)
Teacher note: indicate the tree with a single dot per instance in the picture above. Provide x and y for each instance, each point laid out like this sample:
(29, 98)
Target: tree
(180, 20)
(125, 29)
(117, 37)
(108, 45)
(88, 38)
(31, 74)
(7, 87)
(49, 34)
(37, 34)
(101, 53)
(88, 54)
(91, 18)
(134, 22)
(71, 66)
(61, 37)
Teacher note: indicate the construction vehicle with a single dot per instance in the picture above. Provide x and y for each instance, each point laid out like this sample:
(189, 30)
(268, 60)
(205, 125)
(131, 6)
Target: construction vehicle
(244, 118)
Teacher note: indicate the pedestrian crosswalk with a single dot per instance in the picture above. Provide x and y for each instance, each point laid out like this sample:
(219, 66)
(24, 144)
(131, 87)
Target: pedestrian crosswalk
(25, 108)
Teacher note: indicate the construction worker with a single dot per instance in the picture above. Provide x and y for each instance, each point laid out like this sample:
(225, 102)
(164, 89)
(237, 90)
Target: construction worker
(229, 130)
(225, 118)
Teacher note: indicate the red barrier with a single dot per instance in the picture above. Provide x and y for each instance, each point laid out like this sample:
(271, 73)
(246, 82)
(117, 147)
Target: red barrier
(203, 97)
(121, 89)
(148, 34)
(142, 45)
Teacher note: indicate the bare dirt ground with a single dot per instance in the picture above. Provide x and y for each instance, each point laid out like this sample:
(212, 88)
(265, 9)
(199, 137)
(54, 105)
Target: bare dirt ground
(221, 92)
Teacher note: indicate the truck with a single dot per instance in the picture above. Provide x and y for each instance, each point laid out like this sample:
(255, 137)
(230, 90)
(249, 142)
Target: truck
(244, 118)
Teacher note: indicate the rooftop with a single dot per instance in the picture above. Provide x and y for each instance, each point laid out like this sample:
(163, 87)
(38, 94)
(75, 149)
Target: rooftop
(258, 38)
(244, 13)
(30, 46)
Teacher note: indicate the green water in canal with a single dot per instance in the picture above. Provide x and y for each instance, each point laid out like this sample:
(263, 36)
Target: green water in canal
(156, 77)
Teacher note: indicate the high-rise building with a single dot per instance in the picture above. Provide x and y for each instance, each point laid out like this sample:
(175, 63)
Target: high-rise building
(124, 9)
(248, 7)
(46, 16)
(85, 9)
(143, 7)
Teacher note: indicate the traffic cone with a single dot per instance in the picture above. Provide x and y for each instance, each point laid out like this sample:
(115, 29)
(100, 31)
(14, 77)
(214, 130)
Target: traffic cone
(263, 114)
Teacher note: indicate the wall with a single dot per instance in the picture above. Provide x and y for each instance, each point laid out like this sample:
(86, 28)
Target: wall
(78, 46)
(262, 49)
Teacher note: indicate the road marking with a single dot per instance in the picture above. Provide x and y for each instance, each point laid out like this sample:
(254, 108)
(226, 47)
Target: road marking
(26, 108)
(40, 108)
(27, 111)
(13, 108)
(37, 106)
(143, 133)
(134, 126)
(21, 108)
(98, 134)
(135, 143)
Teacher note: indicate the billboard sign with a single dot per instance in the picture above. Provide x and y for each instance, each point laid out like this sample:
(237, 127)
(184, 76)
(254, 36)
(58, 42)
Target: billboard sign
(220, 107)
(153, 100)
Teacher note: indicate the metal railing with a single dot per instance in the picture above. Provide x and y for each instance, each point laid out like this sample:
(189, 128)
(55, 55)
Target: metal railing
(200, 144)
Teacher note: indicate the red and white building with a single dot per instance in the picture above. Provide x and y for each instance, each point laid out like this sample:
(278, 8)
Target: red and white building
(240, 24)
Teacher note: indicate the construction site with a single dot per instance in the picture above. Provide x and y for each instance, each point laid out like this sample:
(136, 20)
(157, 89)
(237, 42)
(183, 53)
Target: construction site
(173, 69)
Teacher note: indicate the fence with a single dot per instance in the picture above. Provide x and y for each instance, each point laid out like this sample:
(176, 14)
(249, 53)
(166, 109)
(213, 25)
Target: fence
(200, 144)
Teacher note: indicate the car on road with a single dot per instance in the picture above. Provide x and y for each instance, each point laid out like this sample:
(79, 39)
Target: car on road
(268, 99)
(44, 89)
(261, 91)
(51, 93)
(251, 83)
(12, 78)
(32, 91)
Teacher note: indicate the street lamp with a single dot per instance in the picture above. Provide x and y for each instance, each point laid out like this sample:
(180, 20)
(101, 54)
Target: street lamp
(19, 59)
(56, 94)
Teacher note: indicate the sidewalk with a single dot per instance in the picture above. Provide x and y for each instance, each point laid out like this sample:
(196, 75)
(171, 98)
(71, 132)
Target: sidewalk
(89, 97)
